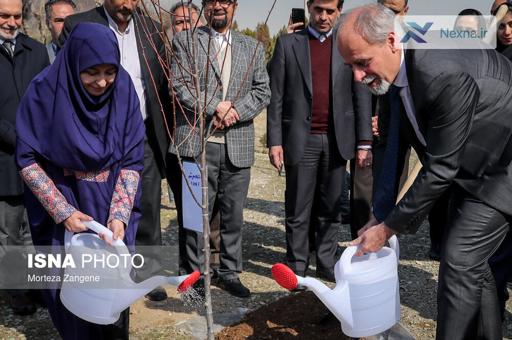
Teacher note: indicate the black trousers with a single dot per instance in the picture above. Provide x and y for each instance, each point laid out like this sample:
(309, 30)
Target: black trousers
(228, 186)
(468, 305)
(148, 231)
(313, 197)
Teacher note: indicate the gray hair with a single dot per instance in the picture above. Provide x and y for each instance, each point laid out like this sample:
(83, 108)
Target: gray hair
(49, 4)
(382, 2)
(184, 3)
(373, 23)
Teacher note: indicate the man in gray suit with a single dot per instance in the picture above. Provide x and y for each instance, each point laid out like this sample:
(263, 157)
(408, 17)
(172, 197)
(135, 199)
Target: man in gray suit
(317, 117)
(234, 89)
(56, 11)
(453, 108)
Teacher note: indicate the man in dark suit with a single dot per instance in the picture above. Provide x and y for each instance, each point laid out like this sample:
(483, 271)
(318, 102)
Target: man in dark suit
(316, 118)
(56, 12)
(21, 59)
(234, 90)
(453, 107)
(142, 50)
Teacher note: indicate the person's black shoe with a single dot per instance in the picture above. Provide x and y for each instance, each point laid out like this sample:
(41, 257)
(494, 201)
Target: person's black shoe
(157, 294)
(435, 253)
(233, 287)
(326, 274)
(21, 304)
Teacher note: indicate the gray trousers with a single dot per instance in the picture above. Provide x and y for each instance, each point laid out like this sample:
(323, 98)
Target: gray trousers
(228, 186)
(14, 228)
(313, 198)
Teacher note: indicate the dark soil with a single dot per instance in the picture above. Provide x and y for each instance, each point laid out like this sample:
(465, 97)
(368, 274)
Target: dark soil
(298, 316)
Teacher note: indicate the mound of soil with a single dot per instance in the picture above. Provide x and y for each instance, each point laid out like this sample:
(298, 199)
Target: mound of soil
(298, 316)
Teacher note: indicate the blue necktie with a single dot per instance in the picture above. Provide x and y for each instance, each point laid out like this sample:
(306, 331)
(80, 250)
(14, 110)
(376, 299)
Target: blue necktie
(385, 195)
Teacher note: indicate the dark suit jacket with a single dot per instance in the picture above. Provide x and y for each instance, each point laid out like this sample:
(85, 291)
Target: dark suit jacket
(30, 58)
(289, 111)
(153, 76)
(463, 104)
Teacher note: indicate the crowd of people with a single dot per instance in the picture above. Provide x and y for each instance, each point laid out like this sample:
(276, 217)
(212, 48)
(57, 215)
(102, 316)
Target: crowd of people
(126, 95)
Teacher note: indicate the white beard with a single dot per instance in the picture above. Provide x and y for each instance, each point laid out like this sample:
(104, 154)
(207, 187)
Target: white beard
(380, 89)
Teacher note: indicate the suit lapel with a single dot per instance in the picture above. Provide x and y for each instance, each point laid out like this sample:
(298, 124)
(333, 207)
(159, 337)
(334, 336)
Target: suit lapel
(204, 40)
(302, 54)
(410, 104)
(336, 59)
(237, 69)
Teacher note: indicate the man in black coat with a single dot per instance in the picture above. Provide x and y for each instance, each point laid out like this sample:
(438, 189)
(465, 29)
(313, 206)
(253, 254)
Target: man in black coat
(453, 107)
(317, 117)
(21, 59)
(142, 51)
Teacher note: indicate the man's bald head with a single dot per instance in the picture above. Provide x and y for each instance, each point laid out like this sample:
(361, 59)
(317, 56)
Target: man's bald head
(367, 42)
(399, 7)
(496, 4)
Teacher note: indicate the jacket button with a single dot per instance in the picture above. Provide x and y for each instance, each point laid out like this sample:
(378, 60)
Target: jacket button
(308, 118)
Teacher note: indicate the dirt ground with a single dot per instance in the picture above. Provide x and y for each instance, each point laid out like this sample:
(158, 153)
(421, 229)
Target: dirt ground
(263, 245)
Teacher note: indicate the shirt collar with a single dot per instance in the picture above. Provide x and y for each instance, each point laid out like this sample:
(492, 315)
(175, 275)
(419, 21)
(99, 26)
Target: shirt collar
(221, 37)
(401, 78)
(317, 35)
(12, 40)
(114, 26)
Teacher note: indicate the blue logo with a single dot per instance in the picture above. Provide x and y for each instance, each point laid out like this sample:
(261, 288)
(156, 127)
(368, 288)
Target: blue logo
(414, 29)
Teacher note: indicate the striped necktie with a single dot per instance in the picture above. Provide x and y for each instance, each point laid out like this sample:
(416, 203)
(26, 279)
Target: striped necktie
(9, 47)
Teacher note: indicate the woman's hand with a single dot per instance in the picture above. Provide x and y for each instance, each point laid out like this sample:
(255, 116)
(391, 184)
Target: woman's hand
(74, 222)
(117, 228)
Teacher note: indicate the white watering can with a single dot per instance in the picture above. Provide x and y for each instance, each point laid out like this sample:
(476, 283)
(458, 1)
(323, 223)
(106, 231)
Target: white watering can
(366, 298)
(103, 305)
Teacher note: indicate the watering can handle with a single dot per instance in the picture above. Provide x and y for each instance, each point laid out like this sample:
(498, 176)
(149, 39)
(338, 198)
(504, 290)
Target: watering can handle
(97, 228)
(346, 257)
(101, 229)
(393, 244)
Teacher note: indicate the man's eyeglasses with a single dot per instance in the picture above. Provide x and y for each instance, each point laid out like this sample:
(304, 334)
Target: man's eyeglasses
(223, 3)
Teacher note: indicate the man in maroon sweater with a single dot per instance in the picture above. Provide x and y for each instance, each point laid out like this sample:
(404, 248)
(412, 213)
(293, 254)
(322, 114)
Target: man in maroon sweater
(317, 117)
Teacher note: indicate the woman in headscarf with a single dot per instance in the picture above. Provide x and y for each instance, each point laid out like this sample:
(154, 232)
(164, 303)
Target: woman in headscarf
(80, 149)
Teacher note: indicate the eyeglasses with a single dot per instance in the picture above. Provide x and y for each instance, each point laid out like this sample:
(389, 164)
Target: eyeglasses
(223, 3)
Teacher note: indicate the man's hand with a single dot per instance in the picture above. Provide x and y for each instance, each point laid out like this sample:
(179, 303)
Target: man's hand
(364, 158)
(217, 123)
(293, 27)
(117, 228)
(230, 118)
(371, 222)
(375, 126)
(227, 114)
(373, 239)
(74, 222)
(223, 108)
(275, 153)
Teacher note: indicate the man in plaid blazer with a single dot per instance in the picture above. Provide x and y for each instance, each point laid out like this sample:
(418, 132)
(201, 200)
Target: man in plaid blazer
(220, 73)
